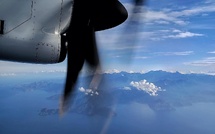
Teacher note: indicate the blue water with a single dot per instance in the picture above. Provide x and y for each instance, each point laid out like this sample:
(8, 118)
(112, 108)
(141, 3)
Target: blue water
(19, 115)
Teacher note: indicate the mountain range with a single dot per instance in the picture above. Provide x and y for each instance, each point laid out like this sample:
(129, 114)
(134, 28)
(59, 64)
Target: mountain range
(161, 91)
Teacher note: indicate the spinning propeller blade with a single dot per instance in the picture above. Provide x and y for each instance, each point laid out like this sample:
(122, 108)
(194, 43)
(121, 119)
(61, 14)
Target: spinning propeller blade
(129, 34)
(87, 17)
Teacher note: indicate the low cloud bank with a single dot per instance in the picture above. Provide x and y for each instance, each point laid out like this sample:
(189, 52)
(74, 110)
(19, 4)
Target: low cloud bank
(88, 91)
(149, 88)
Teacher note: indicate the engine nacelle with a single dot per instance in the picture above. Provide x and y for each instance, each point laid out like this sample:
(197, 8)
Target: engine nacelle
(30, 30)
(32, 51)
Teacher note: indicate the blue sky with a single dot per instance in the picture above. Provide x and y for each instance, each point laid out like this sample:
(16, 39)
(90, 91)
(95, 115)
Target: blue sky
(171, 36)
(168, 35)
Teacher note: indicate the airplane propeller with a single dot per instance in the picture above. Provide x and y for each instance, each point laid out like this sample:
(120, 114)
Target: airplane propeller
(87, 18)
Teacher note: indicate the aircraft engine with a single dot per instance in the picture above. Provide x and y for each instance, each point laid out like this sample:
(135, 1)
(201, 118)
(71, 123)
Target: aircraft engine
(32, 51)
(30, 30)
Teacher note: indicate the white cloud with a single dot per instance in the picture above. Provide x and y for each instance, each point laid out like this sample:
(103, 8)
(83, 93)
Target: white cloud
(81, 89)
(209, 61)
(176, 31)
(168, 34)
(160, 17)
(194, 11)
(167, 16)
(131, 72)
(130, 47)
(183, 53)
(162, 22)
(127, 88)
(142, 57)
(112, 71)
(209, 1)
(149, 88)
(88, 91)
(183, 35)
(212, 52)
(7, 74)
(112, 39)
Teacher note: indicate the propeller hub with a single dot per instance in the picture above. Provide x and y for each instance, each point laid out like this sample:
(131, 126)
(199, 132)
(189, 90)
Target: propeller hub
(108, 14)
